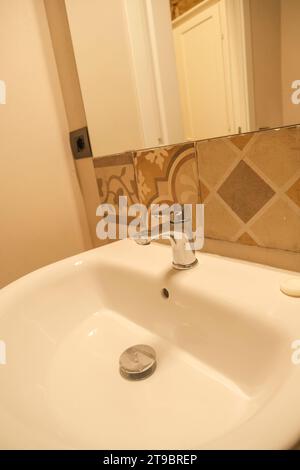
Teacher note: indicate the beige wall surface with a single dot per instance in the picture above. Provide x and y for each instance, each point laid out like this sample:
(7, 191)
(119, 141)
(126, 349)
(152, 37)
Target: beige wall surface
(74, 106)
(65, 61)
(290, 26)
(42, 218)
(266, 49)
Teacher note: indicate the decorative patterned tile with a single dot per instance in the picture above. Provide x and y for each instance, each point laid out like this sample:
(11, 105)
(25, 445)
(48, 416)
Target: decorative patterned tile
(167, 175)
(204, 191)
(117, 159)
(276, 154)
(115, 177)
(245, 192)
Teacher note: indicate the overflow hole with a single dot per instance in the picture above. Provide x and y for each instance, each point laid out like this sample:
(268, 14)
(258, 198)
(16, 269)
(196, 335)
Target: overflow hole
(165, 293)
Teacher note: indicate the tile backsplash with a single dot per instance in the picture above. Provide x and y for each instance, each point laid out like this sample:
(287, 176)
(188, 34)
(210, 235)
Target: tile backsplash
(115, 177)
(251, 188)
(167, 174)
(249, 184)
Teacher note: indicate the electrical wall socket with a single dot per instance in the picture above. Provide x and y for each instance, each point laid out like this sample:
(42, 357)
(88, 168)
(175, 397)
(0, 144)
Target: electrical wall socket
(80, 143)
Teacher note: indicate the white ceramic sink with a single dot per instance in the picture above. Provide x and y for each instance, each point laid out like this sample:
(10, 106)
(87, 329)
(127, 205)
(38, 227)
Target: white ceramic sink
(223, 339)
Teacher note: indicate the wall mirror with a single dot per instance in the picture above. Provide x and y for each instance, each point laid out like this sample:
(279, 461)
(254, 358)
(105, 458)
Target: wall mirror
(158, 72)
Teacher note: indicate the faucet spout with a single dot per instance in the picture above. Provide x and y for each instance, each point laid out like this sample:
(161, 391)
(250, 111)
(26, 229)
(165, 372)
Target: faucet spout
(183, 255)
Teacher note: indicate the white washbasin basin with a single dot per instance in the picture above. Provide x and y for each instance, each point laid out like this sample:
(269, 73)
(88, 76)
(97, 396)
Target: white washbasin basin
(223, 339)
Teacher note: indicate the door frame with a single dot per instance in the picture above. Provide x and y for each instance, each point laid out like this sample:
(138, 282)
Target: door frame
(237, 56)
(237, 16)
(154, 70)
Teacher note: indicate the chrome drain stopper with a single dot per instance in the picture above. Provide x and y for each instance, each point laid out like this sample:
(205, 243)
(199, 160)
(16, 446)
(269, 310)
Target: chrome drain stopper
(137, 362)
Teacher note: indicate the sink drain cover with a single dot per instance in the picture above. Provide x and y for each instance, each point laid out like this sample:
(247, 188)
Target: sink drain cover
(137, 362)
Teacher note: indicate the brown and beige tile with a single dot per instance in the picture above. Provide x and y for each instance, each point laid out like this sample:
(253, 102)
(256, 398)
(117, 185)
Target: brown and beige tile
(167, 175)
(276, 153)
(245, 192)
(294, 192)
(115, 177)
(278, 227)
(246, 239)
(241, 141)
(219, 220)
(254, 176)
(215, 158)
(250, 184)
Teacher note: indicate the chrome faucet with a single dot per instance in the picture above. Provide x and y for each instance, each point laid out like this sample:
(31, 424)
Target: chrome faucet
(183, 255)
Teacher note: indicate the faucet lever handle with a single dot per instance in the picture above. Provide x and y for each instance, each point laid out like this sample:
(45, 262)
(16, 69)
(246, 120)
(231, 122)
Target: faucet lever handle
(180, 215)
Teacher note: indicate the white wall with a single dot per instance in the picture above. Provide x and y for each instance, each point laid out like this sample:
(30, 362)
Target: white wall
(39, 194)
(102, 52)
(164, 60)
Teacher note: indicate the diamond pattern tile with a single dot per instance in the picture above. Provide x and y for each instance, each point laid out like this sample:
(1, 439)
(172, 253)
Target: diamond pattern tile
(245, 192)
(215, 157)
(294, 192)
(278, 227)
(240, 141)
(245, 239)
(219, 223)
(277, 154)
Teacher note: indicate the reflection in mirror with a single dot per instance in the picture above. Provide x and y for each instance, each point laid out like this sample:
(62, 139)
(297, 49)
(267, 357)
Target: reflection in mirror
(156, 72)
